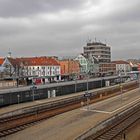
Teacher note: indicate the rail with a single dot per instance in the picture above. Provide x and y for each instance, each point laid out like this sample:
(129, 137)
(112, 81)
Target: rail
(20, 119)
(114, 127)
(94, 94)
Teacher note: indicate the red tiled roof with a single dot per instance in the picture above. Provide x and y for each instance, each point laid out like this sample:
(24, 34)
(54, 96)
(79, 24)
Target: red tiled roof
(120, 62)
(1, 61)
(14, 61)
(39, 61)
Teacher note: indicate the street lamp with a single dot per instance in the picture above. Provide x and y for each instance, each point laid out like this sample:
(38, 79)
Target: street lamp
(87, 82)
(75, 83)
(120, 80)
(139, 79)
(87, 95)
(18, 96)
(101, 82)
(33, 88)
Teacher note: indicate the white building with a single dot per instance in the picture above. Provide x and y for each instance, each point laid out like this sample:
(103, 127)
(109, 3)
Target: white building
(88, 64)
(83, 63)
(122, 67)
(46, 68)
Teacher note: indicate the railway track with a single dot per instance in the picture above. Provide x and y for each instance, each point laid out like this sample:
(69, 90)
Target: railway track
(116, 130)
(34, 115)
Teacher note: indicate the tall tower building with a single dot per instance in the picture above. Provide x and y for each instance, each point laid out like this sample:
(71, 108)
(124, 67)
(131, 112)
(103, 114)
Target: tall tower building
(99, 50)
(102, 52)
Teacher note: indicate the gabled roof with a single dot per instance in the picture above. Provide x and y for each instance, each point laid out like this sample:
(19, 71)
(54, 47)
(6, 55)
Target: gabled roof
(1, 61)
(38, 61)
(81, 56)
(15, 62)
(120, 62)
(134, 63)
(32, 61)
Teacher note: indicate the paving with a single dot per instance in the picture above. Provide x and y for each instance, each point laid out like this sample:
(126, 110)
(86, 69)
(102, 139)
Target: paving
(69, 125)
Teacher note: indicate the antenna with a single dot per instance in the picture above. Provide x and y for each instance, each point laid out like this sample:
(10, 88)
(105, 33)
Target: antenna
(9, 53)
(95, 39)
(88, 40)
(105, 42)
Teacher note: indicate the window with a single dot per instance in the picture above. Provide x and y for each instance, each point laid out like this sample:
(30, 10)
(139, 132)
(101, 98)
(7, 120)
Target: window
(33, 72)
(43, 73)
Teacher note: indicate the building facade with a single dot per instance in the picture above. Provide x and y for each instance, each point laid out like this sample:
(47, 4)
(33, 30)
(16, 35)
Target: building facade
(88, 64)
(122, 66)
(99, 50)
(46, 68)
(107, 69)
(2, 69)
(83, 63)
(102, 53)
(134, 63)
(10, 67)
(70, 69)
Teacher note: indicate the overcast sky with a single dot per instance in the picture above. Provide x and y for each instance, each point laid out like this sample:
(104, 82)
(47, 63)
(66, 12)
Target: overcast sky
(62, 27)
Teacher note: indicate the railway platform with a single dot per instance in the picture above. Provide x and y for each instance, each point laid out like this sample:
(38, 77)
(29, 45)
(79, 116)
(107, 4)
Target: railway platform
(19, 106)
(71, 124)
(11, 108)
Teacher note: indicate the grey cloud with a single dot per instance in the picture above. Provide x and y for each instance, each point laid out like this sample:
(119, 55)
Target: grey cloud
(28, 35)
(18, 8)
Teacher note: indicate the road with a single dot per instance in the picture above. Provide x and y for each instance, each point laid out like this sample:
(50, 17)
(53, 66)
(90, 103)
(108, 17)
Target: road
(69, 125)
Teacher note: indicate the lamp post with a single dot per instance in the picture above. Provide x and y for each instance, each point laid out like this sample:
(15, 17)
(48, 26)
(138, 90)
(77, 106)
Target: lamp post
(101, 82)
(33, 88)
(18, 96)
(121, 86)
(139, 79)
(87, 82)
(33, 92)
(87, 95)
(75, 83)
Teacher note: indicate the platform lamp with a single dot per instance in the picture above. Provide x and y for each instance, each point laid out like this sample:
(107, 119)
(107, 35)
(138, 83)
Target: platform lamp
(102, 82)
(18, 96)
(121, 86)
(139, 78)
(75, 82)
(33, 88)
(87, 82)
